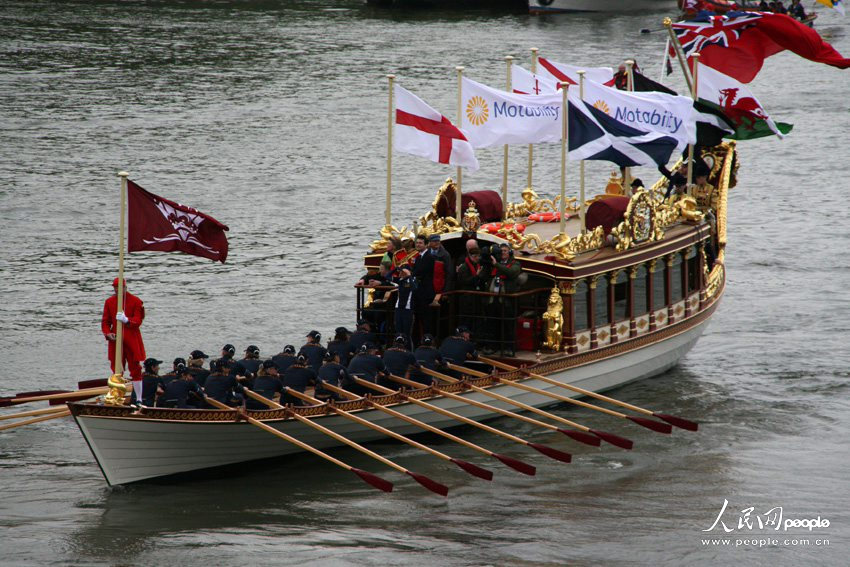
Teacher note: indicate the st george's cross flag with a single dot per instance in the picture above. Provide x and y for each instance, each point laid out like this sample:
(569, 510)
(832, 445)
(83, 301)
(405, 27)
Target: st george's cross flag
(737, 43)
(158, 224)
(422, 131)
(563, 73)
(526, 82)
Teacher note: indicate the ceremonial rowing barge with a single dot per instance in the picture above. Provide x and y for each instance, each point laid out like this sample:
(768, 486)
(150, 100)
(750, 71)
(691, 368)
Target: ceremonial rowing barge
(597, 311)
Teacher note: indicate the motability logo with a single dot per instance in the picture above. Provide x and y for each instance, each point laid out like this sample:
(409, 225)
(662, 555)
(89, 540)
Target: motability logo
(665, 119)
(477, 111)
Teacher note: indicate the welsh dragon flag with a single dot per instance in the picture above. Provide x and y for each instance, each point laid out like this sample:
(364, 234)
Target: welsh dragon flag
(738, 104)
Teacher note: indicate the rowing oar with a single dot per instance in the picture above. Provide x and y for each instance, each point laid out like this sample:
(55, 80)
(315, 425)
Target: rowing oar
(515, 464)
(97, 383)
(30, 413)
(474, 470)
(671, 419)
(544, 449)
(366, 476)
(648, 423)
(62, 397)
(579, 436)
(60, 413)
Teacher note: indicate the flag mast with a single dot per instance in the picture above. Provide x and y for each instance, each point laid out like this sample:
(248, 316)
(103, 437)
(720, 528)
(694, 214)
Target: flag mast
(674, 41)
(118, 368)
(627, 171)
(459, 196)
(562, 204)
(694, 96)
(534, 51)
(509, 61)
(581, 164)
(388, 210)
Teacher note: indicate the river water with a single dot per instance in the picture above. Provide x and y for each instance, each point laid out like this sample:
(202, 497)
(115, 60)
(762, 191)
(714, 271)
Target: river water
(271, 117)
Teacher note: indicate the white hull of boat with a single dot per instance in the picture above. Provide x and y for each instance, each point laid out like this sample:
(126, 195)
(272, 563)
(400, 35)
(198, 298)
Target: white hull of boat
(560, 6)
(133, 449)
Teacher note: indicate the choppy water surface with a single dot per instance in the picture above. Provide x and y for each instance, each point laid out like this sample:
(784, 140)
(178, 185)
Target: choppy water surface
(271, 116)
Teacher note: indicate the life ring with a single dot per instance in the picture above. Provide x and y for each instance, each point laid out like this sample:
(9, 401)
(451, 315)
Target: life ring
(495, 227)
(551, 216)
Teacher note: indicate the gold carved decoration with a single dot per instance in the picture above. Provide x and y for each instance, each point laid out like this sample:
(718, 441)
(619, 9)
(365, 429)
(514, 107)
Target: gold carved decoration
(471, 218)
(531, 203)
(645, 220)
(561, 246)
(433, 223)
(554, 320)
(118, 388)
(387, 232)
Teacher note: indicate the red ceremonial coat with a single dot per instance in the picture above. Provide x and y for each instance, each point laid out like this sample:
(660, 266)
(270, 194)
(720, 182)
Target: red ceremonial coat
(134, 309)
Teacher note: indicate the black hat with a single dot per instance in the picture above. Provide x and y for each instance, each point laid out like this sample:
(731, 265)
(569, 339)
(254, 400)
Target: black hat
(229, 348)
(434, 238)
(462, 329)
(427, 339)
(196, 354)
(329, 356)
(301, 359)
(678, 179)
(181, 369)
(637, 182)
(151, 362)
(341, 330)
(268, 364)
(365, 347)
(315, 335)
(401, 338)
(289, 349)
(253, 349)
(178, 361)
(217, 364)
(700, 169)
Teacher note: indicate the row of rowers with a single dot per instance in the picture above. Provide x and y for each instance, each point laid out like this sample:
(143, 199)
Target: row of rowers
(345, 357)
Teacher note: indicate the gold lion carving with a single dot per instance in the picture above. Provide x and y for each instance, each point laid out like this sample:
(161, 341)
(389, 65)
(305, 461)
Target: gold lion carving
(554, 320)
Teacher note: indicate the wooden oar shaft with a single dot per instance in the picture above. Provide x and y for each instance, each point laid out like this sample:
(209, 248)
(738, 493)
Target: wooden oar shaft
(30, 413)
(508, 400)
(62, 413)
(262, 399)
(87, 393)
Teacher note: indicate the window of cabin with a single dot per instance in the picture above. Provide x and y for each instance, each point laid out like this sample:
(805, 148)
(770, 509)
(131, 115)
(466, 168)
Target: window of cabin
(640, 291)
(676, 283)
(659, 300)
(580, 306)
(693, 270)
(621, 296)
(601, 314)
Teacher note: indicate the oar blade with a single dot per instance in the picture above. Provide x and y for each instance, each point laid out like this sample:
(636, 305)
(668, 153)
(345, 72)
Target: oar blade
(63, 401)
(517, 465)
(582, 437)
(551, 452)
(621, 442)
(6, 402)
(373, 479)
(40, 393)
(430, 484)
(678, 421)
(474, 470)
(98, 383)
(651, 424)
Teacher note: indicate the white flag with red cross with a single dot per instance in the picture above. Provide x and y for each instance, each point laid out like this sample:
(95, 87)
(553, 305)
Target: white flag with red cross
(422, 131)
(526, 82)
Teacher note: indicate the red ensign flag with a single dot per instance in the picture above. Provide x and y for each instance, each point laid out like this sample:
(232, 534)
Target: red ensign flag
(155, 223)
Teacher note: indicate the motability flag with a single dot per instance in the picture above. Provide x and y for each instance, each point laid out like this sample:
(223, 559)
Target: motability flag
(422, 131)
(737, 43)
(526, 82)
(670, 115)
(595, 135)
(157, 224)
(563, 73)
(492, 117)
(834, 4)
(737, 103)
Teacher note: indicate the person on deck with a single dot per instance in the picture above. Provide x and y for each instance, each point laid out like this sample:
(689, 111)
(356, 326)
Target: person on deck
(707, 197)
(459, 348)
(341, 345)
(221, 386)
(404, 303)
(284, 359)
(398, 361)
(313, 351)
(298, 377)
(366, 365)
(332, 372)
(470, 273)
(178, 391)
(152, 384)
(677, 187)
(132, 346)
(267, 384)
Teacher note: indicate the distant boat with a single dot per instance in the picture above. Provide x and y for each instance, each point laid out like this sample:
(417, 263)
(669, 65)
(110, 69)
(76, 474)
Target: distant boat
(561, 6)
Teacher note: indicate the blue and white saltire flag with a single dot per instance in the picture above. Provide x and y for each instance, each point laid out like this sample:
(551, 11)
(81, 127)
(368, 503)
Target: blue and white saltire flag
(594, 135)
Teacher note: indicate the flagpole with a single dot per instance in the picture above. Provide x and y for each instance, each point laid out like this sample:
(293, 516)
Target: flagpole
(664, 60)
(509, 61)
(118, 367)
(534, 51)
(459, 197)
(388, 211)
(694, 96)
(581, 164)
(674, 41)
(562, 204)
(627, 171)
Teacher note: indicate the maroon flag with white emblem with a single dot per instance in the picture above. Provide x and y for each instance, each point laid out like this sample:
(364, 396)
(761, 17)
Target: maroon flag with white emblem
(157, 224)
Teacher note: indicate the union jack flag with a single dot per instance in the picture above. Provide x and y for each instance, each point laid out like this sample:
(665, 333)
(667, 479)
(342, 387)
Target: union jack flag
(707, 29)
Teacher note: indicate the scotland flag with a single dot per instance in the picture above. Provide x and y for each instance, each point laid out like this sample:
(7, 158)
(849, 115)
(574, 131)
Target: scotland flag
(594, 135)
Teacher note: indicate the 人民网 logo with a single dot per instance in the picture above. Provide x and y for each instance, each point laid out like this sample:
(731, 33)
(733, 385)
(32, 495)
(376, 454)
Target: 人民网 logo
(477, 111)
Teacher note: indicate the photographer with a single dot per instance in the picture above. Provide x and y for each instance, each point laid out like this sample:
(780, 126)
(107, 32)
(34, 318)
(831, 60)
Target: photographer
(471, 274)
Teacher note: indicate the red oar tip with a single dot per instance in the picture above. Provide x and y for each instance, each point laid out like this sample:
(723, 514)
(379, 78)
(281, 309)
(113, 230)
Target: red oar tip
(374, 480)
(678, 421)
(517, 465)
(97, 383)
(581, 437)
(651, 424)
(5, 402)
(40, 393)
(474, 470)
(621, 442)
(552, 453)
(431, 485)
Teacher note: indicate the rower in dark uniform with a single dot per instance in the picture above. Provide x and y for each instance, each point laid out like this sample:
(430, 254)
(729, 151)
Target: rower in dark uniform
(267, 384)
(221, 386)
(227, 353)
(196, 367)
(459, 348)
(284, 359)
(249, 365)
(298, 377)
(341, 345)
(399, 361)
(313, 351)
(428, 357)
(169, 376)
(362, 335)
(366, 365)
(332, 372)
(177, 391)
(152, 384)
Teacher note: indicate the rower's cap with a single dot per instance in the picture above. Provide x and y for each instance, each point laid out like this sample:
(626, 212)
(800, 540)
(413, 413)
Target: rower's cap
(217, 364)
(196, 354)
(289, 349)
(427, 339)
(151, 362)
(301, 359)
(365, 347)
(329, 356)
(178, 361)
(463, 329)
(434, 238)
(253, 349)
(341, 330)
(229, 348)
(181, 369)
(400, 338)
(268, 364)
(315, 335)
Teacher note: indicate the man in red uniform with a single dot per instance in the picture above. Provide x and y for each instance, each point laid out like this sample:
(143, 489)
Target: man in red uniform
(133, 349)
